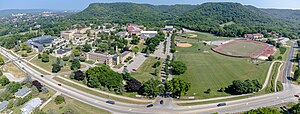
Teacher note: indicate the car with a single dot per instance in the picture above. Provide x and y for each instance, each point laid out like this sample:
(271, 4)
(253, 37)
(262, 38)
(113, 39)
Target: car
(110, 102)
(161, 102)
(221, 104)
(133, 69)
(296, 95)
(150, 105)
(59, 84)
(42, 75)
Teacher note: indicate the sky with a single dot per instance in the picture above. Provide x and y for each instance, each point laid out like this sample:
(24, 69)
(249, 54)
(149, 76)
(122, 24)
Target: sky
(81, 4)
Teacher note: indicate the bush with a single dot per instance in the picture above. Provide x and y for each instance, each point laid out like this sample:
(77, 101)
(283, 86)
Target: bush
(59, 99)
(66, 58)
(82, 59)
(24, 55)
(282, 50)
(279, 58)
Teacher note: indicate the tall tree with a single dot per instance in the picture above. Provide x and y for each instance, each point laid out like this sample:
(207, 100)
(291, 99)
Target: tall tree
(178, 86)
(75, 64)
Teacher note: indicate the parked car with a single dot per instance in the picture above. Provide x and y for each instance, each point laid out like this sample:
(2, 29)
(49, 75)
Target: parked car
(110, 102)
(221, 104)
(150, 105)
(42, 75)
(59, 84)
(133, 69)
(296, 95)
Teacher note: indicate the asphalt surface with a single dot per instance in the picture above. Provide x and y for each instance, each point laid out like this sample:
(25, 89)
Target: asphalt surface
(287, 95)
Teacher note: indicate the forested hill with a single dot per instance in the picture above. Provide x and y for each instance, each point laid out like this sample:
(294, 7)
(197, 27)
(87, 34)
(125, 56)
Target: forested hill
(284, 13)
(223, 19)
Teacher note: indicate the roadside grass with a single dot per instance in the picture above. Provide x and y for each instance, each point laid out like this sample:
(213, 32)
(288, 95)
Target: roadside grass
(145, 72)
(270, 86)
(214, 71)
(96, 93)
(200, 37)
(74, 106)
(13, 69)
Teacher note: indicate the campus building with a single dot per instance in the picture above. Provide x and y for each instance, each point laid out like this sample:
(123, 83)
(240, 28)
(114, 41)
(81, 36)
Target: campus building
(253, 36)
(38, 44)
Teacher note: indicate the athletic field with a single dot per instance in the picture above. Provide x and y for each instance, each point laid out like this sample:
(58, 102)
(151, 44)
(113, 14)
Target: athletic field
(214, 71)
(245, 48)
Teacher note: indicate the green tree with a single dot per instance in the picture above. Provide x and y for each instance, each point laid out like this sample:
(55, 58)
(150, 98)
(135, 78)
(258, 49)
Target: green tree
(59, 99)
(178, 67)
(76, 52)
(87, 47)
(56, 68)
(271, 58)
(1, 60)
(39, 56)
(135, 40)
(13, 87)
(178, 86)
(75, 64)
(296, 74)
(135, 49)
(103, 47)
(66, 58)
(4, 81)
(151, 88)
(45, 57)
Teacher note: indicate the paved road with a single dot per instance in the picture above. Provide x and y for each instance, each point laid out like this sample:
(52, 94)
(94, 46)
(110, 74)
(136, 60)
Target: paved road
(286, 77)
(169, 108)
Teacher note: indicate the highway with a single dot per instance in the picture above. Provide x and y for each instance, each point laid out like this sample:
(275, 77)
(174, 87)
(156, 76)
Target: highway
(169, 108)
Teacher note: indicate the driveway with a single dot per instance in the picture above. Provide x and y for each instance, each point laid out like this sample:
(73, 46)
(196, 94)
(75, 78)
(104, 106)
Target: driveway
(12, 78)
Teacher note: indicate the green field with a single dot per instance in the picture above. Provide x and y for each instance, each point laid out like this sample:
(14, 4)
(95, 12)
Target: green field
(214, 71)
(200, 37)
(241, 48)
(270, 86)
(76, 107)
(144, 73)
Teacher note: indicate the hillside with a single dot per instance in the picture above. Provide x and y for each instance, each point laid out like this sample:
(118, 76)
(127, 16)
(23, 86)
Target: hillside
(284, 13)
(207, 17)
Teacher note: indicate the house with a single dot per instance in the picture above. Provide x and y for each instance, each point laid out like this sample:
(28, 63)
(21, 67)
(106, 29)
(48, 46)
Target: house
(75, 33)
(168, 28)
(38, 44)
(68, 35)
(133, 30)
(62, 52)
(31, 105)
(3, 105)
(122, 34)
(21, 93)
(148, 34)
(253, 36)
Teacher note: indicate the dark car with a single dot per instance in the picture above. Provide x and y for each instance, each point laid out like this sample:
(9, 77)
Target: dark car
(59, 84)
(296, 95)
(161, 102)
(110, 102)
(42, 75)
(221, 104)
(150, 105)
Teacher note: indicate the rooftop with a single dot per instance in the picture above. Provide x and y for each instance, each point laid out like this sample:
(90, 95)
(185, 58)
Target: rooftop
(3, 105)
(22, 92)
(31, 105)
(62, 51)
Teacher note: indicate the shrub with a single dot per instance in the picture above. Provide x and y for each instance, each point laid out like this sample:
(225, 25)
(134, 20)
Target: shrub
(59, 99)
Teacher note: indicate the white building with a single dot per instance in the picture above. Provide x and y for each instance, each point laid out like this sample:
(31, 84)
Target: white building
(31, 105)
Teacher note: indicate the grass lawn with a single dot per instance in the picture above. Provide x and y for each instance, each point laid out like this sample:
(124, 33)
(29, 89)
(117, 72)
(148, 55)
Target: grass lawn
(74, 106)
(89, 62)
(144, 73)
(214, 71)
(48, 65)
(97, 93)
(200, 37)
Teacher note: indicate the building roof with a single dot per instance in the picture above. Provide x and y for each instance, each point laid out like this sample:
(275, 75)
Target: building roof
(121, 33)
(125, 53)
(133, 27)
(99, 54)
(3, 105)
(43, 39)
(148, 32)
(31, 105)
(22, 92)
(62, 51)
